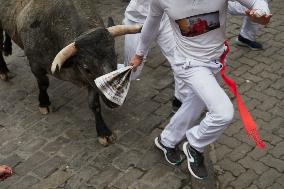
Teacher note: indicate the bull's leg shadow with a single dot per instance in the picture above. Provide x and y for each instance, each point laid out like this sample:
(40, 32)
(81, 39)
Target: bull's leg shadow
(3, 66)
(43, 83)
(105, 136)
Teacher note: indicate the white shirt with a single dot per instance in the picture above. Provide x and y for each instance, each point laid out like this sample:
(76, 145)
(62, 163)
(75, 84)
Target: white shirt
(137, 10)
(206, 20)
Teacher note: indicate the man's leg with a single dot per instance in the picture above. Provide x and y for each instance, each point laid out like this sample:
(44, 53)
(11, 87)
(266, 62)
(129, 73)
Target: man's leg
(130, 44)
(220, 110)
(167, 45)
(249, 29)
(247, 36)
(219, 116)
(205, 92)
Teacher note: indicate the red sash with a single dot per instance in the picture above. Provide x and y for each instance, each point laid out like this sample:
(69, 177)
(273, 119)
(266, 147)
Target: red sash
(246, 118)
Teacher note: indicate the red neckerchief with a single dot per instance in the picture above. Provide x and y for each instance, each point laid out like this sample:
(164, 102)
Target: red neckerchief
(246, 118)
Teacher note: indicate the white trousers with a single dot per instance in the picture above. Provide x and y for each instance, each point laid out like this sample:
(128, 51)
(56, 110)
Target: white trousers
(204, 91)
(249, 28)
(165, 41)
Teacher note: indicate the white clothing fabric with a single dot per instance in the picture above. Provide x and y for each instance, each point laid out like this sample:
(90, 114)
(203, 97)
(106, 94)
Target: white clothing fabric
(196, 65)
(130, 44)
(137, 10)
(164, 39)
(249, 28)
(204, 92)
(136, 13)
(166, 43)
(206, 46)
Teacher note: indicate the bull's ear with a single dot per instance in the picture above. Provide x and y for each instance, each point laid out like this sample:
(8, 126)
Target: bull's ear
(110, 22)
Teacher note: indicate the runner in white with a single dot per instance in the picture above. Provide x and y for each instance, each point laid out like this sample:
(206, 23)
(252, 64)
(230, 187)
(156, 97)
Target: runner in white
(136, 13)
(199, 32)
(249, 30)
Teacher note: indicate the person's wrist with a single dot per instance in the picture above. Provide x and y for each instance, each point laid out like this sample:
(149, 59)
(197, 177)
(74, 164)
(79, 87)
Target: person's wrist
(139, 56)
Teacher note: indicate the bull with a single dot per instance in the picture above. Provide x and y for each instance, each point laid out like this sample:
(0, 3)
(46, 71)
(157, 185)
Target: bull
(42, 28)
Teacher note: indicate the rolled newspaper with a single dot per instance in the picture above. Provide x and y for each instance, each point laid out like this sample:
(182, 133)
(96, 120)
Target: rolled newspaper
(115, 85)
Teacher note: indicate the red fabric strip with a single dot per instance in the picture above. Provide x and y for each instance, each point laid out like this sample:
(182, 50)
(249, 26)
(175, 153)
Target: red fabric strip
(246, 118)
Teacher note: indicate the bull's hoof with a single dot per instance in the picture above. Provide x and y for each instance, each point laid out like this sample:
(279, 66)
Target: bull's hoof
(103, 141)
(106, 140)
(4, 77)
(112, 138)
(44, 110)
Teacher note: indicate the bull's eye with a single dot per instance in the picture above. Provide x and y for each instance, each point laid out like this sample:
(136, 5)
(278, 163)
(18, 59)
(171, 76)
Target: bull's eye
(87, 70)
(85, 66)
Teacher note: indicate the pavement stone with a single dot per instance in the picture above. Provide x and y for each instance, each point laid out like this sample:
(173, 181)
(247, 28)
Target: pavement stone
(244, 180)
(225, 179)
(127, 159)
(128, 178)
(267, 178)
(61, 151)
(275, 163)
(275, 186)
(29, 164)
(54, 180)
(25, 183)
(49, 167)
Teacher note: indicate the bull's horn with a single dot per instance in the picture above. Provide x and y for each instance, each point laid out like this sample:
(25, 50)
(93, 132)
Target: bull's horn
(62, 56)
(120, 30)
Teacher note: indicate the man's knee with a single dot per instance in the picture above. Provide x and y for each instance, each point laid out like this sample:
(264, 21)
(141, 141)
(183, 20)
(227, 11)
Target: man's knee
(224, 113)
(227, 113)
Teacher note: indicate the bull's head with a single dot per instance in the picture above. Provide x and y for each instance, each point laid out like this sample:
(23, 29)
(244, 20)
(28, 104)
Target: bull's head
(94, 50)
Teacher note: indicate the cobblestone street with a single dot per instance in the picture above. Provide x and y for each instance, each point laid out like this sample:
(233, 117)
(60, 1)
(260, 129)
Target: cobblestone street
(61, 151)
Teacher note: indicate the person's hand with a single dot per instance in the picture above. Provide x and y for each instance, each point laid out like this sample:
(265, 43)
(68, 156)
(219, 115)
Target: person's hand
(258, 16)
(5, 172)
(135, 61)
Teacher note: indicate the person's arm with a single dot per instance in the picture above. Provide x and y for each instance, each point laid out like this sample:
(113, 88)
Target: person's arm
(258, 11)
(149, 31)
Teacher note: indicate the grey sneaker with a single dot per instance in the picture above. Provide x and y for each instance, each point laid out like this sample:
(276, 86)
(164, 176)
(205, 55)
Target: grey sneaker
(195, 162)
(172, 155)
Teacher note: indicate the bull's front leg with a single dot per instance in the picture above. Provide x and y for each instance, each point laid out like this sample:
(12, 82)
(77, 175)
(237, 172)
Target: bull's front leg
(7, 46)
(105, 136)
(3, 66)
(43, 83)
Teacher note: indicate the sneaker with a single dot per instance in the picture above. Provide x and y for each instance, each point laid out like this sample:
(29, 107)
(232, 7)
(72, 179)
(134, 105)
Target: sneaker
(172, 155)
(253, 45)
(176, 104)
(195, 162)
